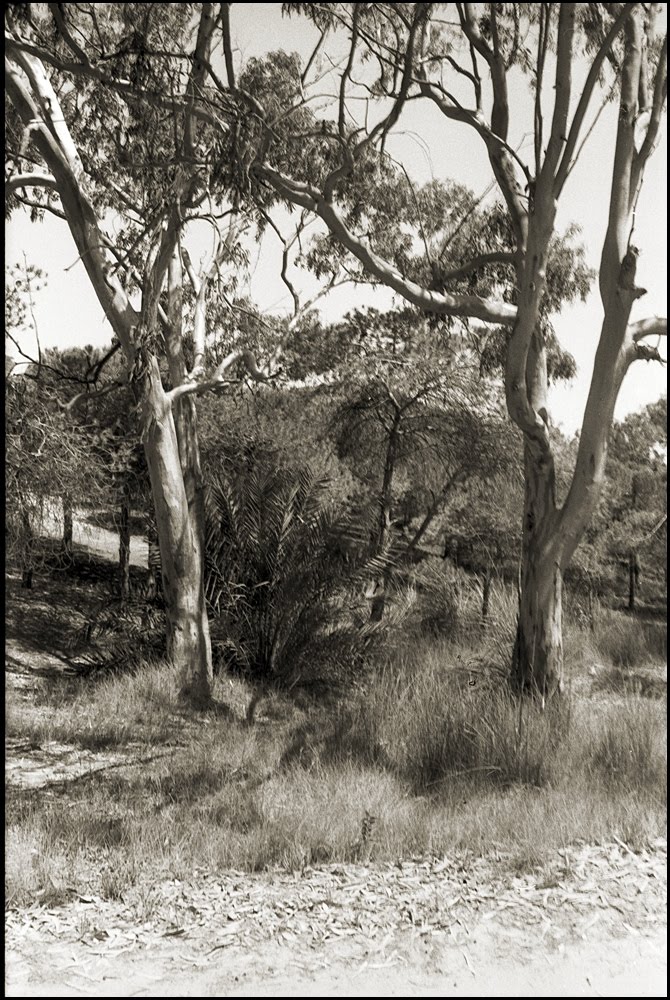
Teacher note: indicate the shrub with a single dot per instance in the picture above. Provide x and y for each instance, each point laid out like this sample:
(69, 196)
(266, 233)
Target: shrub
(278, 573)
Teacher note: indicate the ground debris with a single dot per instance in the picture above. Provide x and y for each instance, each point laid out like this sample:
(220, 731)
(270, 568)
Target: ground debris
(374, 903)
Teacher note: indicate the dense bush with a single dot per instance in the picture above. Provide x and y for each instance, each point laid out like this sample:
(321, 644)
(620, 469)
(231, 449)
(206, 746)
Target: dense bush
(283, 567)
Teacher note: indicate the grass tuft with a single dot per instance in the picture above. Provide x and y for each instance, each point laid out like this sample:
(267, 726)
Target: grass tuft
(428, 755)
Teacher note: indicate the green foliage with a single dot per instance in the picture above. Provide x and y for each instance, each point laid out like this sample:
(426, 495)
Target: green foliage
(121, 636)
(276, 565)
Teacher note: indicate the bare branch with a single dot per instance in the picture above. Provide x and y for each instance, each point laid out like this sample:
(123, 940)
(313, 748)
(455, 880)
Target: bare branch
(34, 179)
(286, 247)
(542, 46)
(96, 370)
(563, 87)
(421, 13)
(87, 395)
(172, 329)
(587, 92)
(501, 156)
(81, 215)
(658, 102)
(227, 46)
(217, 380)
(341, 114)
(310, 61)
(653, 326)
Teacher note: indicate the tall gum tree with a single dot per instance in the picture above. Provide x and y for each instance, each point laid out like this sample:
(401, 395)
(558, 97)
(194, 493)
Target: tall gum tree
(414, 54)
(164, 360)
(332, 164)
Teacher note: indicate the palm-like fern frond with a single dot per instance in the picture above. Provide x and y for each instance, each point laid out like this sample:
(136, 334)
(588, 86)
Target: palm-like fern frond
(276, 564)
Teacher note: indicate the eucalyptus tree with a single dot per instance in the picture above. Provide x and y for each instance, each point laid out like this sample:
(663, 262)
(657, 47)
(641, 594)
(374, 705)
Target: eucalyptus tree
(419, 52)
(95, 155)
(198, 130)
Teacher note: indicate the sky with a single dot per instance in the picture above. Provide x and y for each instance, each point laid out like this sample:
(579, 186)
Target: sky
(68, 314)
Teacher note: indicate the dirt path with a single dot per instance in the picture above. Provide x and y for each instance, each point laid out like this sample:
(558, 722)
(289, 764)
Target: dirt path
(592, 926)
(93, 538)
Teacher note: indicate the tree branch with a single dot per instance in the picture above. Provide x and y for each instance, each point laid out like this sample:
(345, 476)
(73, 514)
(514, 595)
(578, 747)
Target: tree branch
(34, 179)
(453, 305)
(57, 12)
(658, 102)
(125, 88)
(227, 45)
(79, 211)
(497, 257)
(653, 326)
(69, 406)
(217, 380)
(563, 87)
(585, 98)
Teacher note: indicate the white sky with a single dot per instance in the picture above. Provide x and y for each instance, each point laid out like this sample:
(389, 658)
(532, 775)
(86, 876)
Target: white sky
(68, 312)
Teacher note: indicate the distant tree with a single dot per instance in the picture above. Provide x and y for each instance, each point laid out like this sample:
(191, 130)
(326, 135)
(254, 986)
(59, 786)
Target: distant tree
(637, 508)
(413, 423)
(48, 460)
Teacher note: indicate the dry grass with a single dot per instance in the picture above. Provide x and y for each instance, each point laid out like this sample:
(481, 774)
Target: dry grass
(421, 760)
(627, 642)
(96, 714)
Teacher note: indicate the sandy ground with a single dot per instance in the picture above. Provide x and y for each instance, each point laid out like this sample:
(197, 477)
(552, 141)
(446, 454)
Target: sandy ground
(494, 962)
(468, 927)
(98, 540)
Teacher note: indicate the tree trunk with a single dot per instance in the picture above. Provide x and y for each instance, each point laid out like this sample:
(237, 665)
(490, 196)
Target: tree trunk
(379, 600)
(181, 542)
(155, 584)
(124, 546)
(590, 607)
(537, 659)
(433, 510)
(68, 547)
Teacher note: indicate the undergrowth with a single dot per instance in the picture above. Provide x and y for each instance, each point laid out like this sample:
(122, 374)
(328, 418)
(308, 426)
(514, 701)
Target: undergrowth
(427, 755)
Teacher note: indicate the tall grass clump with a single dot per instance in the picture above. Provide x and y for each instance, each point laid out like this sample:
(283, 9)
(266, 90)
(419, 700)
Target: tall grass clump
(627, 642)
(432, 721)
(97, 712)
(623, 747)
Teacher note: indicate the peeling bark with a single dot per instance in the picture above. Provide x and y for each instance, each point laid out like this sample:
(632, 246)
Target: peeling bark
(537, 659)
(181, 545)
